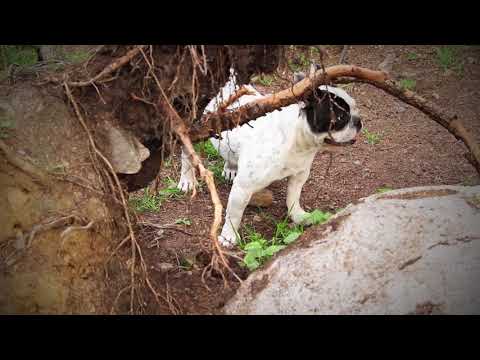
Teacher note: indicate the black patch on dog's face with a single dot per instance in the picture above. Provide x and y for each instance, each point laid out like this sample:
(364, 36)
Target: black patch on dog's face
(318, 113)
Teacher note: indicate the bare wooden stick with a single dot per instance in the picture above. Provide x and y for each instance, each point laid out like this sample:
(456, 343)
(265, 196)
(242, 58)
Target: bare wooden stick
(234, 97)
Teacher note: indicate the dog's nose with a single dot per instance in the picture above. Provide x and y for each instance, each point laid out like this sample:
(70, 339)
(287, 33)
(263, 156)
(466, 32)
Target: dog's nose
(357, 122)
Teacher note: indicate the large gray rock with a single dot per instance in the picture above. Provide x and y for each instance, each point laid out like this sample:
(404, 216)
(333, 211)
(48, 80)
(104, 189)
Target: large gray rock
(408, 251)
(124, 151)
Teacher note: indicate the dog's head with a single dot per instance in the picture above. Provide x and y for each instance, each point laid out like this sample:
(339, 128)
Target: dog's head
(345, 123)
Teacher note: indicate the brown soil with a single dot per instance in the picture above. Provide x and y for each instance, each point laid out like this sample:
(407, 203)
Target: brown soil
(413, 151)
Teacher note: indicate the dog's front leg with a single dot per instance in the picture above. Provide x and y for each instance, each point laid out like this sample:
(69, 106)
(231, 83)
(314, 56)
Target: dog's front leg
(237, 202)
(295, 185)
(187, 174)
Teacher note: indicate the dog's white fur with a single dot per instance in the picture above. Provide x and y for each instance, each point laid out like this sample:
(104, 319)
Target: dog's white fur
(276, 146)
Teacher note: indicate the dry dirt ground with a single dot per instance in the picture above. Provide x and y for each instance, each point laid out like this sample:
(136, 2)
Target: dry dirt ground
(412, 151)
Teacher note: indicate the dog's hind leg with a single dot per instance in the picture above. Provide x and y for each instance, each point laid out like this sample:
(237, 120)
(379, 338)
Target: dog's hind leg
(187, 174)
(295, 185)
(237, 202)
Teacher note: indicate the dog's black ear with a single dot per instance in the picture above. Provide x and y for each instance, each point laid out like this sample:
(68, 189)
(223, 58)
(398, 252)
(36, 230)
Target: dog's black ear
(298, 76)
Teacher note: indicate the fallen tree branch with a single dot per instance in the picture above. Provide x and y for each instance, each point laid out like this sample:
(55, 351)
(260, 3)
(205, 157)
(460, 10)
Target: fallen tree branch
(448, 121)
(212, 124)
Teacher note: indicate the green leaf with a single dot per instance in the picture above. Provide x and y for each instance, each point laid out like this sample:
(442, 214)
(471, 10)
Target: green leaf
(318, 217)
(383, 190)
(292, 237)
(251, 262)
(272, 249)
(254, 249)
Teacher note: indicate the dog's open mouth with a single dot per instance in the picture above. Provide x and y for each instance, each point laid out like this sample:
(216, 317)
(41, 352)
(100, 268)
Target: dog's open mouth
(330, 141)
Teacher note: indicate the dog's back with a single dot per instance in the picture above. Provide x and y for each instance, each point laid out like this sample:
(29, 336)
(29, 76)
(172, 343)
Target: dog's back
(257, 131)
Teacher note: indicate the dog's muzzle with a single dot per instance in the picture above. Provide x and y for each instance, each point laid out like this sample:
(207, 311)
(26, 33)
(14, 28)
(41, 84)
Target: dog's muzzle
(330, 141)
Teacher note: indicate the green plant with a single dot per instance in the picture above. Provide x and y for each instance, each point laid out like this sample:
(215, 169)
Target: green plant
(167, 163)
(298, 62)
(412, 56)
(318, 217)
(152, 202)
(76, 57)
(258, 249)
(383, 189)
(183, 221)
(447, 58)
(215, 162)
(266, 80)
(146, 202)
(408, 84)
(6, 124)
(21, 55)
(186, 263)
(372, 138)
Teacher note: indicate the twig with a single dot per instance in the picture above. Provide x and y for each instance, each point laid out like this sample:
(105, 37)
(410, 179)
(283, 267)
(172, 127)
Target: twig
(24, 165)
(343, 55)
(74, 228)
(234, 97)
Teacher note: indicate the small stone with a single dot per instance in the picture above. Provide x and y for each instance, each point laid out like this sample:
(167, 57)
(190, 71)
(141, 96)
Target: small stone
(263, 198)
(164, 266)
(472, 60)
(357, 162)
(435, 95)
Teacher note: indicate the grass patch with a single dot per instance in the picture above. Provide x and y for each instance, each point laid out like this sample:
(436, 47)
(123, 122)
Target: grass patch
(298, 62)
(412, 56)
(408, 84)
(371, 137)
(258, 249)
(151, 202)
(6, 125)
(266, 80)
(76, 57)
(183, 221)
(21, 55)
(447, 57)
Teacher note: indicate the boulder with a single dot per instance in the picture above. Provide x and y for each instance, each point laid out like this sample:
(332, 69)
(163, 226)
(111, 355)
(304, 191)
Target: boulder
(409, 251)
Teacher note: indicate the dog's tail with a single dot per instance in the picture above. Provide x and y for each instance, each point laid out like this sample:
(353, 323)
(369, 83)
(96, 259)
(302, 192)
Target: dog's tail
(228, 90)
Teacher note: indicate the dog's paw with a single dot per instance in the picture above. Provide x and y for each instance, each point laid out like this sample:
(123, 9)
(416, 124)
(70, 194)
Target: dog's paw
(187, 184)
(227, 241)
(229, 174)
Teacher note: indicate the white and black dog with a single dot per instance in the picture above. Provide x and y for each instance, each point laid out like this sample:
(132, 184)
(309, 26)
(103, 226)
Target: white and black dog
(281, 144)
